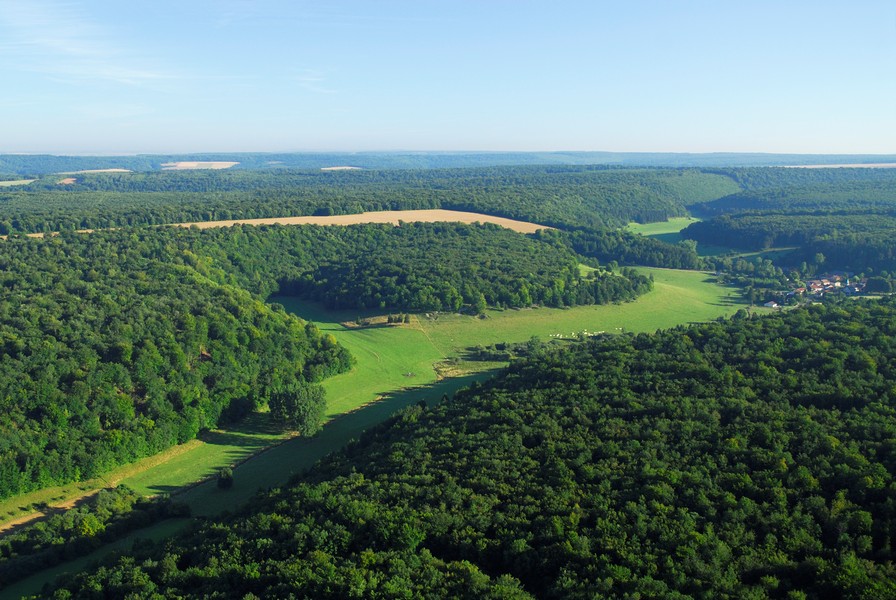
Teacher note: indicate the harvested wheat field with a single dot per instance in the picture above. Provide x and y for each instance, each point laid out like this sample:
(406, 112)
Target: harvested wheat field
(197, 164)
(386, 216)
(96, 171)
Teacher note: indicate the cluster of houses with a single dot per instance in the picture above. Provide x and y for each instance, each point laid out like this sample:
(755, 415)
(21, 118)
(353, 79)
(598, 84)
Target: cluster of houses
(829, 283)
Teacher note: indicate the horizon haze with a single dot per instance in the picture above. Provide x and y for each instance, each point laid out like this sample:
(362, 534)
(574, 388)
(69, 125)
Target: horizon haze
(92, 77)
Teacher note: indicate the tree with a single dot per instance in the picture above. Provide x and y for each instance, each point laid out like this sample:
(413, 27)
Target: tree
(225, 478)
(299, 407)
(479, 304)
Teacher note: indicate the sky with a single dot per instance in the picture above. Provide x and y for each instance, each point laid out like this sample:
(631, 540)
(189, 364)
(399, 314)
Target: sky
(104, 77)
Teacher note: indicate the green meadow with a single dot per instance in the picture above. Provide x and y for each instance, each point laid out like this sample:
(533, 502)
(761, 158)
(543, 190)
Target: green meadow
(390, 358)
(670, 232)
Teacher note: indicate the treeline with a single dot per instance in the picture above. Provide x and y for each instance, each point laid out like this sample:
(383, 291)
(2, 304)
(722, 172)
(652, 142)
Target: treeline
(850, 196)
(559, 196)
(108, 516)
(752, 231)
(115, 346)
(755, 180)
(747, 458)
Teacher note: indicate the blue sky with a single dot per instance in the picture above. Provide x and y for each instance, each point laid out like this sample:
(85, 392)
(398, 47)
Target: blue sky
(98, 76)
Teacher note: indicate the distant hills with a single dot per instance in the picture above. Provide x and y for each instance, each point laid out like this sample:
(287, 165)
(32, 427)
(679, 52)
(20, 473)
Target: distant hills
(37, 164)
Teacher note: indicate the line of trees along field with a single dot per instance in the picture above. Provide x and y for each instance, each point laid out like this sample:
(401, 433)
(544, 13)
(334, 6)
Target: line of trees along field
(750, 458)
(117, 344)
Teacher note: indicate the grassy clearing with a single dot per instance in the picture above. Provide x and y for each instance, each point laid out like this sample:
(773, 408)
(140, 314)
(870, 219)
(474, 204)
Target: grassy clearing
(667, 231)
(393, 357)
(670, 232)
(205, 456)
(16, 182)
(678, 297)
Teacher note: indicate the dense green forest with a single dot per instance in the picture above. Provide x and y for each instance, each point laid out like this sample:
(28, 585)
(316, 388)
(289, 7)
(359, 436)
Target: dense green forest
(837, 218)
(558, 196)
(752, 231)
(120, 343)
(749, 458)
(757, 179)
(105, 517)
(115, 347)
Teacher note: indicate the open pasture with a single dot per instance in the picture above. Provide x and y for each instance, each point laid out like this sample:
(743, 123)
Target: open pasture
(670, 232)
(390, 358)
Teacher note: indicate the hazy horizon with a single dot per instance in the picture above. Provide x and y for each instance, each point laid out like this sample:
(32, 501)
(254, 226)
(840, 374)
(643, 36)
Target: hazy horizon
(93, 77)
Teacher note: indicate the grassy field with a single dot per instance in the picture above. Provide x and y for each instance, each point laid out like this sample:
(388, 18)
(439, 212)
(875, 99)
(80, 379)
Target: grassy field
(667, 231)
(670, 232)
(393, 357)
(16, 182)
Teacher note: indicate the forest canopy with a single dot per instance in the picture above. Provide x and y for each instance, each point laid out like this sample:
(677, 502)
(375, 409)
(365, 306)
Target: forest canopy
(747, 458)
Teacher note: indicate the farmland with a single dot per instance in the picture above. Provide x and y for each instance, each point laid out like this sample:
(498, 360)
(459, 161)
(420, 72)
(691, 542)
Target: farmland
(385, 216)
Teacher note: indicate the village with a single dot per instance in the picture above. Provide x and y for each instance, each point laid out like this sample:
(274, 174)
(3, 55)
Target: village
(838, 282)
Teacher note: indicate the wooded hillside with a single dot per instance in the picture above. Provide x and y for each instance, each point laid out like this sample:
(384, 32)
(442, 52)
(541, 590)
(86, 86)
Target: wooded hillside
(748, 458)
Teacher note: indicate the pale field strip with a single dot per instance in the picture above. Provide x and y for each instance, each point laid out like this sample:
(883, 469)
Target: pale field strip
(436, 215)
(845, 166)
(343, 168)
(197, 164)
(16, 182)
(96, 171)
(394, 217)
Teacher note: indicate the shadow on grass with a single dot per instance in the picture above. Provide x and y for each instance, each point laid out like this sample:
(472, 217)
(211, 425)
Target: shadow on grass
(234, 438)
(270, 468)
(669, 238)
(275, 466)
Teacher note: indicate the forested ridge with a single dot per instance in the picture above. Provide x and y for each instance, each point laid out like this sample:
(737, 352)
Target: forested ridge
(839, 219)
(749, 458)
(558, 196)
